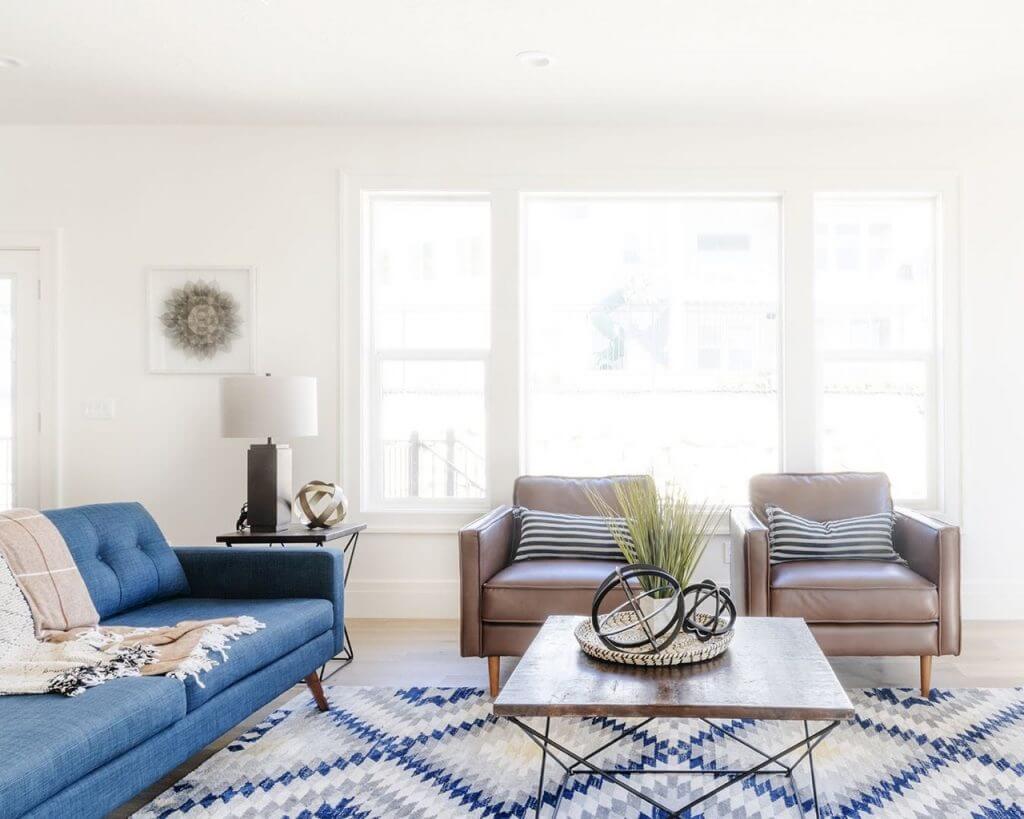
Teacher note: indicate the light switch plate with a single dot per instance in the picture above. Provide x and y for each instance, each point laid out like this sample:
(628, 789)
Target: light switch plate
(99, 409)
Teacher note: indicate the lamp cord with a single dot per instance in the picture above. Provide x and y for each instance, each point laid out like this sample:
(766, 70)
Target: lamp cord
(243, 518)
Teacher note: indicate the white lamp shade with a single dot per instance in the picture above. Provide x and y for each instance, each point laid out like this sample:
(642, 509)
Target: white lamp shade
(268, 406)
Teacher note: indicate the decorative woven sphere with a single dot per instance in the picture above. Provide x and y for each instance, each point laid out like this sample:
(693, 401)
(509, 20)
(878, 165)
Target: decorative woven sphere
(716, 602)
(321, 505)
(646, 623)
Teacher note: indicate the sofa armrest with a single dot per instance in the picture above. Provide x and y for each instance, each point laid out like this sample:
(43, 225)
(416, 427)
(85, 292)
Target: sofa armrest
(260, 573)
(932, 549)
(485, 548)
(748, 565)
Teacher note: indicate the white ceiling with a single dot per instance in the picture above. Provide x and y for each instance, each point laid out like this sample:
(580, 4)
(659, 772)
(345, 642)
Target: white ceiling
(453, 61)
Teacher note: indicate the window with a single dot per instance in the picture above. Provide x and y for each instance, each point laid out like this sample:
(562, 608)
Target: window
(584, 329)
(427, 262)
(651, 339)
(875, 292)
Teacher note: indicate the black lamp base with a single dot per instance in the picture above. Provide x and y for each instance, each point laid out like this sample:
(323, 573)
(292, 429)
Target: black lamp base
(270, 487)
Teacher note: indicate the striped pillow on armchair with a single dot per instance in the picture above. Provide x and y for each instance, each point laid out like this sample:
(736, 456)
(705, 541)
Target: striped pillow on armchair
(791, 537)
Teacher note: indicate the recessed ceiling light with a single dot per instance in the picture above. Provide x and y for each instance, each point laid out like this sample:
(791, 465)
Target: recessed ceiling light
(534, 59)
(10, 62)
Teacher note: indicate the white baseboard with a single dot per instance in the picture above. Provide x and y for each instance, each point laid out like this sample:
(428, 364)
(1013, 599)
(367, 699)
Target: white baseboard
(995, 599)
(402, 599)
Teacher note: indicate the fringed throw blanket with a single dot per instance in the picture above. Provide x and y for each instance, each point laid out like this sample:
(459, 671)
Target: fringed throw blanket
(50, 638)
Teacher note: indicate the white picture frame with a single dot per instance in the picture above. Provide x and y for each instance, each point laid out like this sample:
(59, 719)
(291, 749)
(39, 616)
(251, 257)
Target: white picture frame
(233, 356)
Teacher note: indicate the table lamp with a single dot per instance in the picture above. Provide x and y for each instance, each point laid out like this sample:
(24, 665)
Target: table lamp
(270, 406)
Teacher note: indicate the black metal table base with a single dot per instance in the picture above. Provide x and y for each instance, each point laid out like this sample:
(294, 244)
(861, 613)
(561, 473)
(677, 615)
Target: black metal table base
(347, 653)
(771, 764)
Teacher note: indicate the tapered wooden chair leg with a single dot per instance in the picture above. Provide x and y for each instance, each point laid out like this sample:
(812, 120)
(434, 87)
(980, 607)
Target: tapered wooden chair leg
(313, 681)
(493, 674)
(926, 676)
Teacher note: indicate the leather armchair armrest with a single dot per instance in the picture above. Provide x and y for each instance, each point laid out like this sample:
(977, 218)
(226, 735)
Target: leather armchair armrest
(748, 564)
(485, 548)
(932, 549)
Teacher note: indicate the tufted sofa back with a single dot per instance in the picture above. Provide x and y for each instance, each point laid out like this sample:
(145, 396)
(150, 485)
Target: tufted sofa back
(122, 555)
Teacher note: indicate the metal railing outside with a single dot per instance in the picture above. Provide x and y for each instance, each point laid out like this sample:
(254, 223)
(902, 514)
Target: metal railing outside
(432, 468)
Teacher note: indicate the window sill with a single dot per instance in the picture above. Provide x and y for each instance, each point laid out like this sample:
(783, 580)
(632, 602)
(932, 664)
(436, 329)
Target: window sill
(406, 521)
(411, 529)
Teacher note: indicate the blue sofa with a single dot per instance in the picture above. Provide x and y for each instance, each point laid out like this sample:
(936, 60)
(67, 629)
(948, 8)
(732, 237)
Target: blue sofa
(84, 756)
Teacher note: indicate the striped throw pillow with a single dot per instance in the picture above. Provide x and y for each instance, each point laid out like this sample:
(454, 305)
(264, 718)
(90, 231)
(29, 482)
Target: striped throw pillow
(791, 537)
(553, 535)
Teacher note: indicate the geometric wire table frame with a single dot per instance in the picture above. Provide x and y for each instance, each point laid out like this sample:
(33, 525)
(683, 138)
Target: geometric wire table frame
(348, 652)
(320, 537)
(582, 765)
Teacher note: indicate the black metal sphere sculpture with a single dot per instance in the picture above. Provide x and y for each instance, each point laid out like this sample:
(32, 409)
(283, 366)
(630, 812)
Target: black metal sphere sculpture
(657, 628)
(712, 624)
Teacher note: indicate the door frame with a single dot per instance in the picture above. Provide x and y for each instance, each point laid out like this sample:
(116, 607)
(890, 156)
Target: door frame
(47, 243)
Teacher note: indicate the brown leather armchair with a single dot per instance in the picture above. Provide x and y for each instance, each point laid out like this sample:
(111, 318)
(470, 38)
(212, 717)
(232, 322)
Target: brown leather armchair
(504, 604)
(854, 608)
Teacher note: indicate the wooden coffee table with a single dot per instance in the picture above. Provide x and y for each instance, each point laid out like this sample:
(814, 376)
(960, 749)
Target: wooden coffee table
(773, 670)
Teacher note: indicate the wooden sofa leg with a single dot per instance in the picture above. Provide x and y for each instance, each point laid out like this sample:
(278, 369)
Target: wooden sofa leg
(493, 673)
(313, 681)
(926, 676)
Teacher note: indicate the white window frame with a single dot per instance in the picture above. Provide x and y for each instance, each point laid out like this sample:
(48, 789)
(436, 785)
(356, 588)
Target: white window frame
(933, 361)
(373, 359)
(799, 362)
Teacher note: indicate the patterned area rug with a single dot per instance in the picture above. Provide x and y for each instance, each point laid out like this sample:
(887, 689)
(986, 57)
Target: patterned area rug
(426, 752)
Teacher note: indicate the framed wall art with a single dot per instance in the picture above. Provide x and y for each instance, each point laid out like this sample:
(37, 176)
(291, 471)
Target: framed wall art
(202, 319)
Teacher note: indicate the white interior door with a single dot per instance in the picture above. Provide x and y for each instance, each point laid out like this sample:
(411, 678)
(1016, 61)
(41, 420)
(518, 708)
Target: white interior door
(19, 374)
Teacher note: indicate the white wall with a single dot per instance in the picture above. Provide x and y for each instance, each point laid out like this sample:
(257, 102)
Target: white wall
(128, 197)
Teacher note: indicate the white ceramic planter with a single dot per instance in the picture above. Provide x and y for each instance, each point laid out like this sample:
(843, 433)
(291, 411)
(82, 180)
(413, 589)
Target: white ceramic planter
(659, 612)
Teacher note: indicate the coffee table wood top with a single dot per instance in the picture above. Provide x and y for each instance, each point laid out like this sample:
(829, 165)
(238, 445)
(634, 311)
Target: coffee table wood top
(773, 669)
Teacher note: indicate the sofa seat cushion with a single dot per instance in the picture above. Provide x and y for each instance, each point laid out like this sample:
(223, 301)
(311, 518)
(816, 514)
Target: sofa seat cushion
(48, 742)
(290, 623)
(852, 591)
(532, 590)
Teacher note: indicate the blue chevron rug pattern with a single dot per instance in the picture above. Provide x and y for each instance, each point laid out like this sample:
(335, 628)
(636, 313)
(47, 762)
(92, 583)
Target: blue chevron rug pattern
(425, 752)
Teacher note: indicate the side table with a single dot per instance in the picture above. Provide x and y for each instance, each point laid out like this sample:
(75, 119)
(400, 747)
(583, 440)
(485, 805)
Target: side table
(296, 533)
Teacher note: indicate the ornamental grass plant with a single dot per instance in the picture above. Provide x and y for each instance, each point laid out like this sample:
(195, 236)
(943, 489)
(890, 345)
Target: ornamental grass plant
(666, 529)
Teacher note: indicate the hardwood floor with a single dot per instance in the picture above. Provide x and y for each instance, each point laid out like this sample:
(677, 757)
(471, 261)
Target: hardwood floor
(396, 653)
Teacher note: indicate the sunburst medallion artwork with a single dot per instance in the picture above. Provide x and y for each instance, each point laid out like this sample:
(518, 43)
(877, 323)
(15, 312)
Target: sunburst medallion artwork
(201, 319)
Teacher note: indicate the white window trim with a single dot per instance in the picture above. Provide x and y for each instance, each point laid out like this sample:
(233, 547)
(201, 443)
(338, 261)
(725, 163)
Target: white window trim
(799, 374)
(943, 374)
(371, 358)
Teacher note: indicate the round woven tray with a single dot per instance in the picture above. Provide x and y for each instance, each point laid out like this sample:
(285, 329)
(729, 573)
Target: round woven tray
(685, 648)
